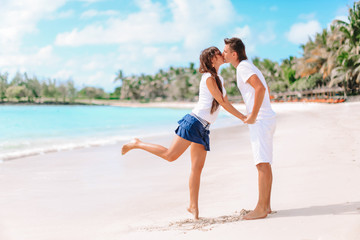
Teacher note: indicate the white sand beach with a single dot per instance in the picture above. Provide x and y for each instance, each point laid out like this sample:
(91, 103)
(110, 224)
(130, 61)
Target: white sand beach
(97, 194)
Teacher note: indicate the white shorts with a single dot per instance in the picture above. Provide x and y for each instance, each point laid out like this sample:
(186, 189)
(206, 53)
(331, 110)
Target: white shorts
(261, 136)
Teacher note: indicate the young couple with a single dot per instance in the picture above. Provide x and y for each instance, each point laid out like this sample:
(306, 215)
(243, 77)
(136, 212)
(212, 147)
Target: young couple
(193, 129)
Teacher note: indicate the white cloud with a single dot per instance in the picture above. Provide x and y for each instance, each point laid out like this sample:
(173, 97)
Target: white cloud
(127, 58)
(150, 51)
(19, 18)
(97, 71)
(251, 40)
(243, 33)
(144, 27)
(299, 33)
(63, 75)
(61, 15)
(192, 23)
(246, 36)
(90, 1)
(42, 57)
(97, 79)
(94, 13)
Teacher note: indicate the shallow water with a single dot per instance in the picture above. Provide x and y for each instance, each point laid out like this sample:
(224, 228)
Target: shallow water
(28, 130)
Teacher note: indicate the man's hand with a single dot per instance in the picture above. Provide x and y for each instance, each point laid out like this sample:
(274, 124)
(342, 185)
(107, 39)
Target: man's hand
(251, 119)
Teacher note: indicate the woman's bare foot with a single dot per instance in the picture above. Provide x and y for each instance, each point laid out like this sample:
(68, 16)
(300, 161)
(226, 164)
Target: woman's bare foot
(195, 212)
(256, 214)
(129, 146)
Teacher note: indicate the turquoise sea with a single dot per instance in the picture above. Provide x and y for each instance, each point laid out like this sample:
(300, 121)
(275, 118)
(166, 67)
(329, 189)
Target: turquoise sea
(38, 129)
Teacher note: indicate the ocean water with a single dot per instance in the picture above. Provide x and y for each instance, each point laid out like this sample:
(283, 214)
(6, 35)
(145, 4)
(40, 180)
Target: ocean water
(29, 130)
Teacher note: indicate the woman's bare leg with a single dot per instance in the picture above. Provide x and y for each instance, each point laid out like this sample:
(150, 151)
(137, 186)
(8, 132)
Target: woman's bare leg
(198, 156)
(177, 148)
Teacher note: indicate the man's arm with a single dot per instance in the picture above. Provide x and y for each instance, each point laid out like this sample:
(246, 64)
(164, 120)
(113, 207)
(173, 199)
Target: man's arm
(223, 101)
(255, 82)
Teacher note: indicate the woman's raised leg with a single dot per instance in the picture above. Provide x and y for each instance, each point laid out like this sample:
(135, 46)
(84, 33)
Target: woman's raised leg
(177, 148)
(198, 156)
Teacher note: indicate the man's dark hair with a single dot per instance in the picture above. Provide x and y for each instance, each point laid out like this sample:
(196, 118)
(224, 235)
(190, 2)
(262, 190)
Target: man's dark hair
(238, 46)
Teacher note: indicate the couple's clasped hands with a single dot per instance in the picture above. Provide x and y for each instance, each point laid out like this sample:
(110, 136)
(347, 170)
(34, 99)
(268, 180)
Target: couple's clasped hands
(250, 119)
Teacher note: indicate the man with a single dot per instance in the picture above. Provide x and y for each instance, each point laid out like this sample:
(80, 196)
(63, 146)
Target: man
(260, 117)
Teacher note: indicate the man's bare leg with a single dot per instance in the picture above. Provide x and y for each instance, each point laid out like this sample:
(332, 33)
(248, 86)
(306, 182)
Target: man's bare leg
(265, 180)
(269, 204)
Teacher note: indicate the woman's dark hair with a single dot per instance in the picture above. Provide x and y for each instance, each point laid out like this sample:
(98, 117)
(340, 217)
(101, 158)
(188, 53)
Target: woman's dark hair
(238, 46)
(206, 65)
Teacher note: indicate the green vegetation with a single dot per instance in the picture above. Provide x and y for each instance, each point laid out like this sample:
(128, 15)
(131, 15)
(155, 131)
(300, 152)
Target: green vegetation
(329, 60)
(25, 89)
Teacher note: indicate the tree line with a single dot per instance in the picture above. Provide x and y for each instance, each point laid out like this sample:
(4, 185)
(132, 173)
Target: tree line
(31, 89)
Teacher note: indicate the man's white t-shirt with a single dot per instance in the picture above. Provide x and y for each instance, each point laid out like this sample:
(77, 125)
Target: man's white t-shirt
(203, 107)
(244, 71)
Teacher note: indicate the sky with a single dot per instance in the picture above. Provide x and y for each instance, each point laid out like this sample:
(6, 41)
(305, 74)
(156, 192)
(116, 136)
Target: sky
(89, 41)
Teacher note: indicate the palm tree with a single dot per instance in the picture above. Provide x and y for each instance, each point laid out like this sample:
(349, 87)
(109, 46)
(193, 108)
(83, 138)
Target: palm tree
(318, 57)
(271, 72)
(130, 88)
(119, 76)
(348, 57)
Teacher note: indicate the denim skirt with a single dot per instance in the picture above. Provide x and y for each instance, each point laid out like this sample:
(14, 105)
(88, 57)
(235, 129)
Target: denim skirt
(191, 129)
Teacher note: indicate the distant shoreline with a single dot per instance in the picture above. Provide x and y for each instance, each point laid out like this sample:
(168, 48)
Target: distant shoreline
(101, 102)
(44, 103)
(122, 103)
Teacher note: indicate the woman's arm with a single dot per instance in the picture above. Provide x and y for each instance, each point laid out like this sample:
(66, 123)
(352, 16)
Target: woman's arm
(255, 82)
(223, 101)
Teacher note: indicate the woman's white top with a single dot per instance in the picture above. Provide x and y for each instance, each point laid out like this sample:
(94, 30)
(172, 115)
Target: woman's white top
(203, 107)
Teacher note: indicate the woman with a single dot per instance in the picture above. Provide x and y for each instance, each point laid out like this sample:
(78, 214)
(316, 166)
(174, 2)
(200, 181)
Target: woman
(193, 129)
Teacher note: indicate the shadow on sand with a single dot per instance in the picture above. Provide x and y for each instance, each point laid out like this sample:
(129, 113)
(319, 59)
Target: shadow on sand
(332, 209)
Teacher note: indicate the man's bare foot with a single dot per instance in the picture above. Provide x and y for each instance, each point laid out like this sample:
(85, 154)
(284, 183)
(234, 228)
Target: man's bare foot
(131, 145)
(269, 211)
(195, 212)
(256, 214)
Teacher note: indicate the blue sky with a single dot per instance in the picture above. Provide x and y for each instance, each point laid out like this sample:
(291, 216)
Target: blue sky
(90, 40)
